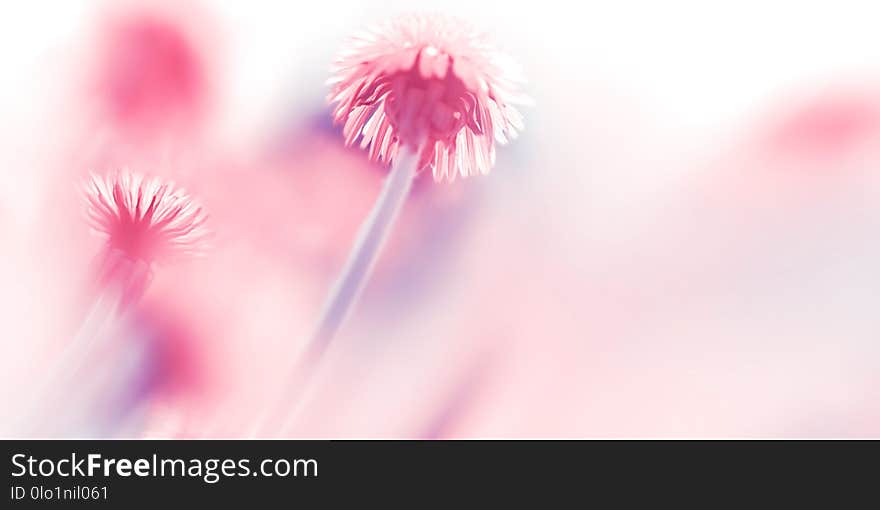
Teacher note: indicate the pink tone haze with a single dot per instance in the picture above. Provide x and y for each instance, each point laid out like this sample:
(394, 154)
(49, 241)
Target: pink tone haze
(684, 243)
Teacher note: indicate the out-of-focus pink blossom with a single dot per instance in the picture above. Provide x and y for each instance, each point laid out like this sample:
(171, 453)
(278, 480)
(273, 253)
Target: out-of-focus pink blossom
(829, 125)
(150, 75)
(431, 82)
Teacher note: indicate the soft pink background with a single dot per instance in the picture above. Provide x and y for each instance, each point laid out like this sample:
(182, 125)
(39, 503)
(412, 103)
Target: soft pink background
(684, 241)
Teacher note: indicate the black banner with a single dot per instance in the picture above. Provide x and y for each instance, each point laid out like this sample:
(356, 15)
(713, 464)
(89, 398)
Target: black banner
(112, 473)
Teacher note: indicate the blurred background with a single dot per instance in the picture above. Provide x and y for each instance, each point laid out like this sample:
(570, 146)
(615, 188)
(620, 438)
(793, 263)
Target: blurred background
(682, 243)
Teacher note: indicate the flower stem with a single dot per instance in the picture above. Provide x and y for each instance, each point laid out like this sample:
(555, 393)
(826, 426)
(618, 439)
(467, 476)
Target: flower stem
(367, 246)
(344, 294)
(69, 368)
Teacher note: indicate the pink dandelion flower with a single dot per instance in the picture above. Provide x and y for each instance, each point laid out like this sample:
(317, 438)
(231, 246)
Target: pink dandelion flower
(432, 83)
(421, 92)
(145, 219)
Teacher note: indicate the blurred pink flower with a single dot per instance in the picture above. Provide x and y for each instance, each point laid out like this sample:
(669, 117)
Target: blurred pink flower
(431, 82)
(150, 73)
(145, 219)
(829, 125)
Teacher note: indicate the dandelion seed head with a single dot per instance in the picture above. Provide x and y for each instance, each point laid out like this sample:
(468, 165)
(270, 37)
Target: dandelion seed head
(432, 82)
(145, 219)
